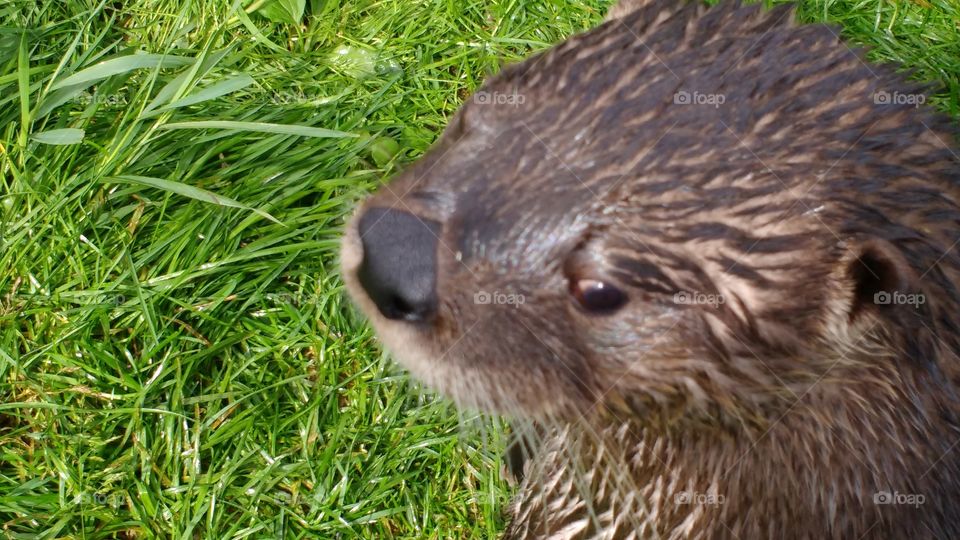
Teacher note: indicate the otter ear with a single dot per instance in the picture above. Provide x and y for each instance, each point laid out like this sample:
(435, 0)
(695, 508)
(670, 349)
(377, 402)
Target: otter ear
(880, 275)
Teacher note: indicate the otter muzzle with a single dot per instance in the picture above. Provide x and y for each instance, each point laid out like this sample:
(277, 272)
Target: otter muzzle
(399, 266)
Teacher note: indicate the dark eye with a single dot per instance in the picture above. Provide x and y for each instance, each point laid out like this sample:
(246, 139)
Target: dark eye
(597, 296)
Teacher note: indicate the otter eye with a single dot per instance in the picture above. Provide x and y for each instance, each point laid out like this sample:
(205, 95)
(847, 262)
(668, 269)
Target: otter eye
(596, 296)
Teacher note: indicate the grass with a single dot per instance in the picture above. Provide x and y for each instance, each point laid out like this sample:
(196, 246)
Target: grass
(176, 355)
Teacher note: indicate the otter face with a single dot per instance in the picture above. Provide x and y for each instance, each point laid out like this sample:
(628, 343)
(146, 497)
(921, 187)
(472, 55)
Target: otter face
(636, 220)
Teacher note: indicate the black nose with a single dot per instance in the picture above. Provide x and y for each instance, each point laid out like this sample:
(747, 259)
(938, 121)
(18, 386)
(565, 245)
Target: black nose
(399, 268)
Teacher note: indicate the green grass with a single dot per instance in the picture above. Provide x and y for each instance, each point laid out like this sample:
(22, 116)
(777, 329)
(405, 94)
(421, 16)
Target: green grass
(176, 355)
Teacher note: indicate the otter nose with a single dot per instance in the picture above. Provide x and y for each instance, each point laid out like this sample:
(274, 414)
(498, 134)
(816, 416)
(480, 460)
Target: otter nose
(399, 268)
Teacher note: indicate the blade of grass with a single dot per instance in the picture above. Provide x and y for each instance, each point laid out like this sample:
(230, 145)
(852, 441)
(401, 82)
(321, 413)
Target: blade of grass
(120, 65)
(213, 91)
(180, 82)
(262, 127)
(192, 192)
(257, 34)
(23, 85)
(63, 136)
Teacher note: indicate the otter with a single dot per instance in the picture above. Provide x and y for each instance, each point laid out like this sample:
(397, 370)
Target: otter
(706, 260)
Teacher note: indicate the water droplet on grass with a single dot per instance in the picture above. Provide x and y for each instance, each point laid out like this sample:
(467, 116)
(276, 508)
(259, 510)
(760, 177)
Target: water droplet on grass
(361, 63)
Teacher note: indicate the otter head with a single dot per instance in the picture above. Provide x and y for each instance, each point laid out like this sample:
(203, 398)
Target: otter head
(653, 218)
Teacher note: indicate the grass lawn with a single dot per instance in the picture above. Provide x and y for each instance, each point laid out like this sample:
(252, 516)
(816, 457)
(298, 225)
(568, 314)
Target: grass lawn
(176, 355)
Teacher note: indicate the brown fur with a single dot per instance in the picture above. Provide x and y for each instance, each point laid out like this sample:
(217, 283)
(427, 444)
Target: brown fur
(789, 405)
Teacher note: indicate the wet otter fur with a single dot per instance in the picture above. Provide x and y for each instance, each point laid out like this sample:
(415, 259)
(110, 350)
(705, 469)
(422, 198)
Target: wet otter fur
(734, 270)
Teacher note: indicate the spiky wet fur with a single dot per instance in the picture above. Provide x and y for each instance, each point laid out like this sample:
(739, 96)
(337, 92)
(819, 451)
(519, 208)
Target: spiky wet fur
(785, 410)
